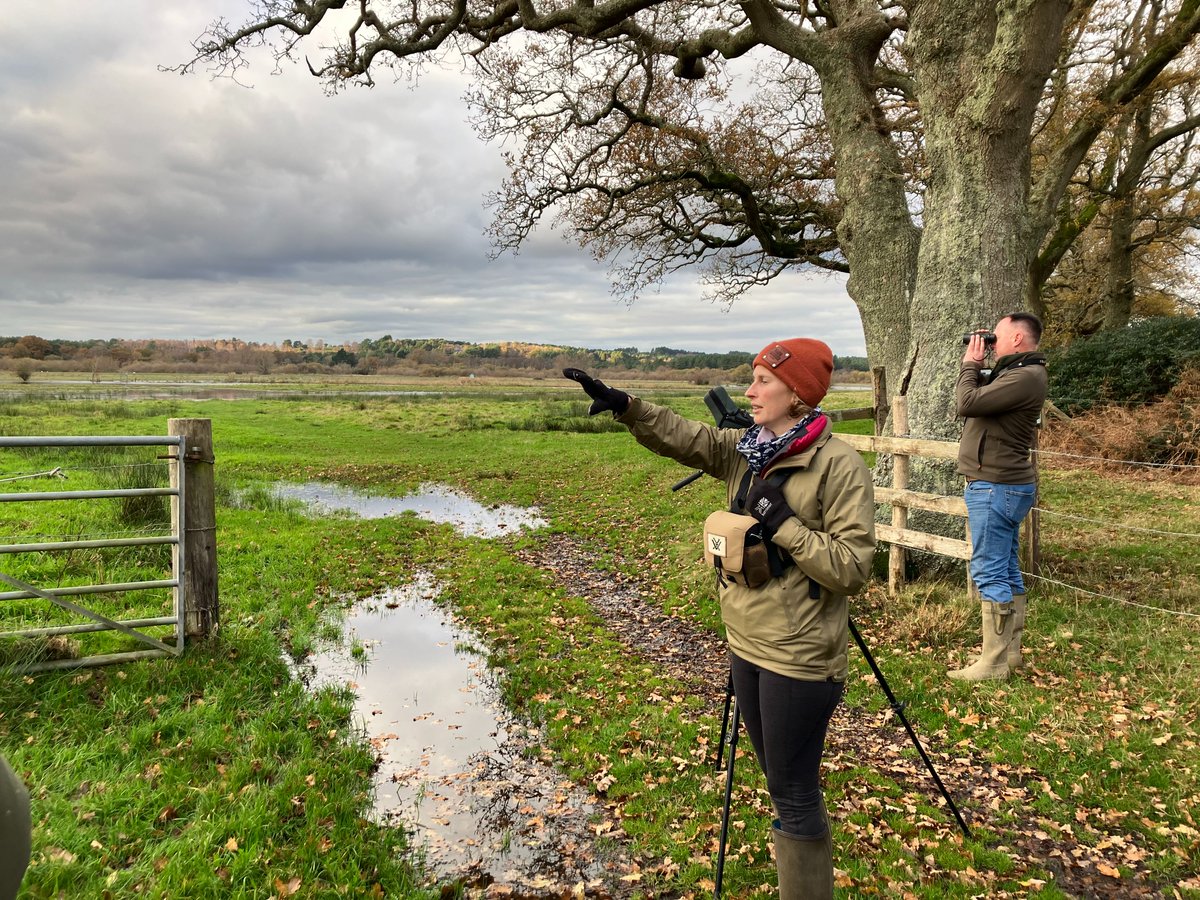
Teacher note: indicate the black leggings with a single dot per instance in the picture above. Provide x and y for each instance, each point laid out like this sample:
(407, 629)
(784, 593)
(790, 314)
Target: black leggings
(786, 720)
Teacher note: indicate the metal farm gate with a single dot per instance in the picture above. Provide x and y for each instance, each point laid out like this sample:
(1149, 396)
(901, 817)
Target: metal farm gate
(87, 620)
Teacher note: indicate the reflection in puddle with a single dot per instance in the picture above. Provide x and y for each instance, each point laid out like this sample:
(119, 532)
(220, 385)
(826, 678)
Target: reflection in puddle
(462, 776)
(434, 502)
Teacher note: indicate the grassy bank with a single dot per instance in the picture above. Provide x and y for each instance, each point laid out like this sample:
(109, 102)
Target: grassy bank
(218, 776)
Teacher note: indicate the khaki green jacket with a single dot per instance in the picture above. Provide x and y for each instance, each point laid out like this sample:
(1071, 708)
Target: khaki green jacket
(780, 626)
(1001, 418)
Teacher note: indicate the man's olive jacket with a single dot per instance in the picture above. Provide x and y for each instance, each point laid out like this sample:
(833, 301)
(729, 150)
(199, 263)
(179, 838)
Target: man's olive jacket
(1001, 417)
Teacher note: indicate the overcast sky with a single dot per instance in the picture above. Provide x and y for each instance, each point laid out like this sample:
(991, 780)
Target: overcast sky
(143, 204)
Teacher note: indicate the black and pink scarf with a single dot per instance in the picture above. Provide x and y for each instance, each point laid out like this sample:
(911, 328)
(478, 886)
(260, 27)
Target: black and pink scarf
(761, 449)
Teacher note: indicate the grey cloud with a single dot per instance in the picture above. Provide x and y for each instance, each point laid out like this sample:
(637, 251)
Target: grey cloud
(144, 204)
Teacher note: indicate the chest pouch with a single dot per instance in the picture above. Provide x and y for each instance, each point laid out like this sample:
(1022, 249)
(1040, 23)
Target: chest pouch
(734, 546)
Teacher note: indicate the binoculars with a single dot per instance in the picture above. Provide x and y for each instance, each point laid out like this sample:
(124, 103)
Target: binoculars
(989, 339)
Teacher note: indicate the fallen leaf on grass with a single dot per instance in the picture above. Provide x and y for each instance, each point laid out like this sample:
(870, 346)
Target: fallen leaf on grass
(288, 888)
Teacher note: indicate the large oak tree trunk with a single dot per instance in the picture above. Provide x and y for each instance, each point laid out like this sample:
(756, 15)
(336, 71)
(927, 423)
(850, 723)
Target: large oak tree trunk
(979, 71)
(978, 81)
(876, 230)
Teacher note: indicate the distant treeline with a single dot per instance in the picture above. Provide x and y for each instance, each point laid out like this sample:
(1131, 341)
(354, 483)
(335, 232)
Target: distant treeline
(368, 356)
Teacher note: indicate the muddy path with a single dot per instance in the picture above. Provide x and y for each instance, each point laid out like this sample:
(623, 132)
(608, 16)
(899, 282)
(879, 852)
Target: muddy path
(984, 791)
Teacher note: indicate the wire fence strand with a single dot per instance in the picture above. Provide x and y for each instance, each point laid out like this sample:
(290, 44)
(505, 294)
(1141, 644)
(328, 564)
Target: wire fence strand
(1121, 462)
(1121, 600)
(1189, 535)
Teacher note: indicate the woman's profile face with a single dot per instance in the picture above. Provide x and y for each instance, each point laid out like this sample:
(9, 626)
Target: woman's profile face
(770, 400)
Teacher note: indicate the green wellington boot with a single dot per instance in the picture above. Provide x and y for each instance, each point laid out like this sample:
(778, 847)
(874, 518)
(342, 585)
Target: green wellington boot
(805, 865)
(992, 665)
(1015, 659)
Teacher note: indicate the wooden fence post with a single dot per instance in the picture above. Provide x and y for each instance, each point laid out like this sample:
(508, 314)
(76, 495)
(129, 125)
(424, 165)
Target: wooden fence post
(901, 464)
(202, 613)
(1031, 552)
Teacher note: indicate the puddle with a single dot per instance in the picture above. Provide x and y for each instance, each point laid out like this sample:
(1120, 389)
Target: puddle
(465, 779)
(434, 502)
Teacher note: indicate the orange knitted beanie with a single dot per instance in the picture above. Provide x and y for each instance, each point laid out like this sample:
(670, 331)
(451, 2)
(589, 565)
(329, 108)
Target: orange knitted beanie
(803, 364)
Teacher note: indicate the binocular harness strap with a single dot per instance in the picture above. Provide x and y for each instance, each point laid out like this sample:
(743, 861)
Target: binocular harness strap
(776, 558)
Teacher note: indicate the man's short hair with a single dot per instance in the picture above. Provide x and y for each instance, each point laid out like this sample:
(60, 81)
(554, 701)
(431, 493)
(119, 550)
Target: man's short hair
(1029, 322)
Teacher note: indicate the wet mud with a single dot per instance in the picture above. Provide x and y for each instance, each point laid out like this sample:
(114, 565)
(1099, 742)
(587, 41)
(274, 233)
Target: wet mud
(482, 803)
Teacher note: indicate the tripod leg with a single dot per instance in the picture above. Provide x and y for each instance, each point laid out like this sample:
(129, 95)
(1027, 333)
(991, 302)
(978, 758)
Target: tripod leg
(724, 722)
(733, 736)
(898, 709)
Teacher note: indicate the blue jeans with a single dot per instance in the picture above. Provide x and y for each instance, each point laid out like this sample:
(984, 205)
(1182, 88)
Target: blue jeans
(994, 515)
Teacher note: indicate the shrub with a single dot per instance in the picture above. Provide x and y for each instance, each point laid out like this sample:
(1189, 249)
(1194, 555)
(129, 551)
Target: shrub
(1137, 364)
(1164, 433)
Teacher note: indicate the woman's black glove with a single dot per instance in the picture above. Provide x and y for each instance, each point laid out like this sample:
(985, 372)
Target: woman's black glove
(603, 397)
(766, 503)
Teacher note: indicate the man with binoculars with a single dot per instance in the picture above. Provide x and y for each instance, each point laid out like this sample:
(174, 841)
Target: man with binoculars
(1001, 407)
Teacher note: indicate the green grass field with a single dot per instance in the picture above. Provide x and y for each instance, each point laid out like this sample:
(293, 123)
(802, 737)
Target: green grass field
(216, 775)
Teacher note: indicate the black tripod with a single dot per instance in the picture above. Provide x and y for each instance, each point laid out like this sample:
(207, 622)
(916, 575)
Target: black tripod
(729, 734)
